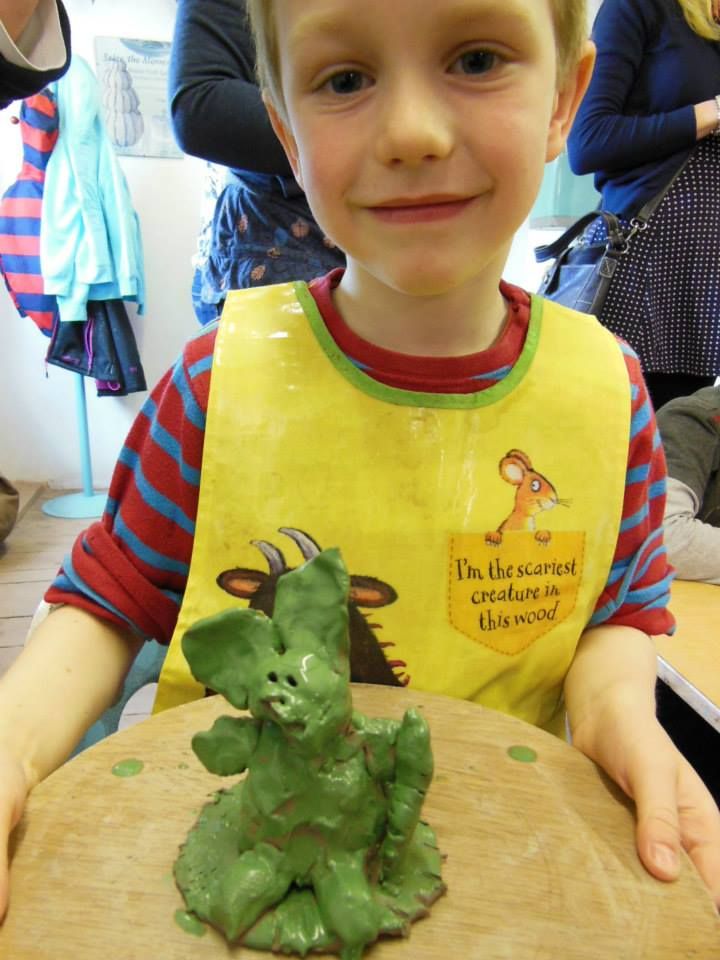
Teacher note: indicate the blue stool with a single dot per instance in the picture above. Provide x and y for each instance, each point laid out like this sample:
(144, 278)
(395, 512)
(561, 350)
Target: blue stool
(146, 669)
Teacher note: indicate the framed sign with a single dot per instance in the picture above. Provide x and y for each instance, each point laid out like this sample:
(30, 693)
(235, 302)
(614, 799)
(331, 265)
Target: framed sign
(133, 80)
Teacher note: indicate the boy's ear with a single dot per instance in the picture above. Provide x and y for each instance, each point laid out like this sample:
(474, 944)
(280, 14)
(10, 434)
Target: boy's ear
(284, 135)
(567, 101)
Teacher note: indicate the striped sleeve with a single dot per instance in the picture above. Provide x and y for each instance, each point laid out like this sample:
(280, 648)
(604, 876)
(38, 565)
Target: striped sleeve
(131, 567)
(638, 587)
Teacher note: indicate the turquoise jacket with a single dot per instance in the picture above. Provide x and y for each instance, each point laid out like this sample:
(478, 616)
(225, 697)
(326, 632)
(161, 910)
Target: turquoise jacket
(90, 243)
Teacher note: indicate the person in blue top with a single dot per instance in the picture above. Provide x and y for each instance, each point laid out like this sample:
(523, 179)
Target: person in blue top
(652, 106)
(34, 47)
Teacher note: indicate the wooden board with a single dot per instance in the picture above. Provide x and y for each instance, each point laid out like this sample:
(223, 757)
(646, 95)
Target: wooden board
(693, 651)
(541, 863)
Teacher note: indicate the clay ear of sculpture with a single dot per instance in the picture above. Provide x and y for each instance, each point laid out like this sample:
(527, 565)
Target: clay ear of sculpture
(225, 651)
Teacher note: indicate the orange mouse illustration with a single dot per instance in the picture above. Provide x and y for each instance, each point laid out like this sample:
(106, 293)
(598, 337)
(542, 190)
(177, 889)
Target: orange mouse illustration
(534, 494)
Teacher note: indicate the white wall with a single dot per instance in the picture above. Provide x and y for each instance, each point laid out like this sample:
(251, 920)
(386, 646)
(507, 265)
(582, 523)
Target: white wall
(38, 434)
(593, 7)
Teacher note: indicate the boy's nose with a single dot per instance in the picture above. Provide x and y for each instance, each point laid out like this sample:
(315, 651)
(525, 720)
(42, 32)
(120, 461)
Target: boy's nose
(415, 127)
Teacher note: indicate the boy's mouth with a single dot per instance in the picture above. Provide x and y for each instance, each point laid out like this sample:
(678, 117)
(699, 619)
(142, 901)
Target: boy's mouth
(420, 209)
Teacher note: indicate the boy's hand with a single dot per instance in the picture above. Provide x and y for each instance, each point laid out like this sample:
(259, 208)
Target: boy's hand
(610, 697)
(70, 670)
(674, 808)
(13, 792)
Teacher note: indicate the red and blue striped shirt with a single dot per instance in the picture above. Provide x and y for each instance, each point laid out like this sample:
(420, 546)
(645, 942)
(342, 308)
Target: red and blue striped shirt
(131, 567)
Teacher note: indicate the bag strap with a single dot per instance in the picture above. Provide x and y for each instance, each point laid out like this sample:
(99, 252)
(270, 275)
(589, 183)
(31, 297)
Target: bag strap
(651, 206)
(616, 236)
(617, 239)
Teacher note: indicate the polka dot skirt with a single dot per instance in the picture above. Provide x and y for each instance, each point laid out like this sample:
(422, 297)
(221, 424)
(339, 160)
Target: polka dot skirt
(665, 297)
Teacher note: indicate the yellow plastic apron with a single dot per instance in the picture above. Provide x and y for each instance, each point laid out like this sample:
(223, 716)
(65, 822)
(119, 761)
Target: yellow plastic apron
(479, 530)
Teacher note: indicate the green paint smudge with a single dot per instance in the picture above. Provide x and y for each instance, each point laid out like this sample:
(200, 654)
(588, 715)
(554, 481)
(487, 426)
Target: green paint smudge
(522, 754)
(128, 768)
(190, 924)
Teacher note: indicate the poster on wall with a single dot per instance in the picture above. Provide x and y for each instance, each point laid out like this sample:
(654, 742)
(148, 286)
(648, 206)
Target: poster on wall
(133, 80)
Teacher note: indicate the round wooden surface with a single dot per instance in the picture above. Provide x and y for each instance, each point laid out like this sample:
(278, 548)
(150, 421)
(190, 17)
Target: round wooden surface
(541, 861)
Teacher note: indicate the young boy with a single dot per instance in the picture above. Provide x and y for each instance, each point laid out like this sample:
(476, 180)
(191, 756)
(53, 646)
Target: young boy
(488, 468)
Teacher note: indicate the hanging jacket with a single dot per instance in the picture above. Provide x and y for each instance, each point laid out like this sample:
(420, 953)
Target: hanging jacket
(90, 245)
(102, 347)
(20, 214)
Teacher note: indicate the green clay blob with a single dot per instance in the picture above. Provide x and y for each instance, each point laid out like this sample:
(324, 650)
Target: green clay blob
(190, 924)
(128, 768)
(321, 847)
(522, 754)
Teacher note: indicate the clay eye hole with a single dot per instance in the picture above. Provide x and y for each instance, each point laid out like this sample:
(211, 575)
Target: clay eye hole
(292, 681)
(535, 485)
(272, 677)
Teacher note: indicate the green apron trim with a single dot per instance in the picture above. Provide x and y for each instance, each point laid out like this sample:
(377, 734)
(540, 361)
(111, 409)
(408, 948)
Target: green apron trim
(412, 398)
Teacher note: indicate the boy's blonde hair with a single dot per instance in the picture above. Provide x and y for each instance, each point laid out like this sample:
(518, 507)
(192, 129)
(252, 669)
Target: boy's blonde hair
(569, 17)
(698, 14)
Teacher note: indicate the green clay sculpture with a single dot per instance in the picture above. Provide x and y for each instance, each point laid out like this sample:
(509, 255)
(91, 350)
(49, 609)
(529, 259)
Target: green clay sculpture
(321, 846)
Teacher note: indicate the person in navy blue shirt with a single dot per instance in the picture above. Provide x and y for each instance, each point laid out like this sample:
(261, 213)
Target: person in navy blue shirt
(651, 107)
(34, 47)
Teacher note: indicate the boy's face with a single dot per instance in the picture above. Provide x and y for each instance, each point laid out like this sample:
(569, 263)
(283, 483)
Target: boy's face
(419, 129)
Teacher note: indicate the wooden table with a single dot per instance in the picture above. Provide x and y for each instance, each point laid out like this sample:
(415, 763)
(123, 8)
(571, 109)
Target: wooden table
(689, 661)
(541, 863)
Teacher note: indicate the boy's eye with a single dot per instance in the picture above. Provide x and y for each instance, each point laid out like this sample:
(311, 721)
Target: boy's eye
(347, 81)
(474, 62)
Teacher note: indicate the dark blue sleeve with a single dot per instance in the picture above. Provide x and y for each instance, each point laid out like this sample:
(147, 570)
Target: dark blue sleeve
(635, 112)
(215, 104)
(16, 82)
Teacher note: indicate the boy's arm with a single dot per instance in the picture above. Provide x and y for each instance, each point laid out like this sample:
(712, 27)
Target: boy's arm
(610, 698)
(67, 675)
(131, 567)
(638, 586)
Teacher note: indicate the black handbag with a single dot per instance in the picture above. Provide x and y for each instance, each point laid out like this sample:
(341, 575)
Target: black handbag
(582, 271)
